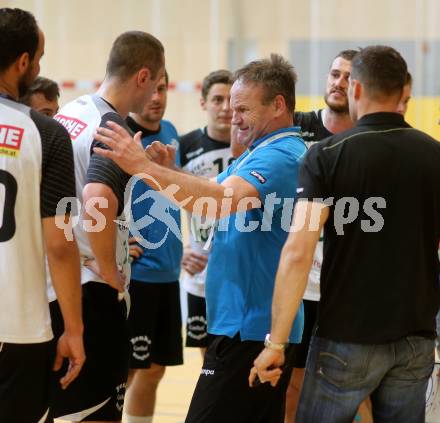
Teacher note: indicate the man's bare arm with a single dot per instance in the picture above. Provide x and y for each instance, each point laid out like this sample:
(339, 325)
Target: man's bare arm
(130, 156)
(63, 260)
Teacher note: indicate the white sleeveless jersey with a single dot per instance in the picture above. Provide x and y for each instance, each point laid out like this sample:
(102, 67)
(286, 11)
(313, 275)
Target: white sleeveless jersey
(313, 131)
(81, 117)
(23, 302)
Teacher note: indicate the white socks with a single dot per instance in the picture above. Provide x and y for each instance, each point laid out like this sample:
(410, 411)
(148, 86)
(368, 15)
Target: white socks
(126, 418)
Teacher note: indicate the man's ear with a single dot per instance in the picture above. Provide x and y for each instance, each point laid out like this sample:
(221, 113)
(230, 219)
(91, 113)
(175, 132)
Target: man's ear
(357, 89)
(23, 63)
(280, 106)
(203, 103)
(143, 76)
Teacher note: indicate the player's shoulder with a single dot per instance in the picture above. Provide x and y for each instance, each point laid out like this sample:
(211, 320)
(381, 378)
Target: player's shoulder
(48, 126)
(170, 134)
(306, 119)
(112, 115)
(192, 137)
(288, 149)
(168, 126)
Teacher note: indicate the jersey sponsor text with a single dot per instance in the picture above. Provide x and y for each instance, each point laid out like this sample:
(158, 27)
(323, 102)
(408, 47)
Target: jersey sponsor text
(10, 140)
(74, 126)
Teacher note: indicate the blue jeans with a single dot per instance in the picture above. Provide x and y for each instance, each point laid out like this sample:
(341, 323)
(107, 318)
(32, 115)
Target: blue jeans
(339, 376)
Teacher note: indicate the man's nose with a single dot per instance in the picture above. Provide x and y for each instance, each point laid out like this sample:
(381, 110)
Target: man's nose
(341, 82)
(226, 106)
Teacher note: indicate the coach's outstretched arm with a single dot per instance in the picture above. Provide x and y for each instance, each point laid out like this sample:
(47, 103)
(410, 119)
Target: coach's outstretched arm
(130, 156)
(63, 259)
(291, 280)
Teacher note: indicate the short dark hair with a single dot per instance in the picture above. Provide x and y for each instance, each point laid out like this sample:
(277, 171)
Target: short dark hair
(42, 85)
(167, 78)
(276, 75)
(221, 76)
(132, 51)
(409, 79)
(347, 54)
(18, 35)
(381, 69)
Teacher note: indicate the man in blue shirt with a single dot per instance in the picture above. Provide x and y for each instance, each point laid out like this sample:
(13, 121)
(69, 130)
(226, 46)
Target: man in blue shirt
(155, 319)
(253, 201)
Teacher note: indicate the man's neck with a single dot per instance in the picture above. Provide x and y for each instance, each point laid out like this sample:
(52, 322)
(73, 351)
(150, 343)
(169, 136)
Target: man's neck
(368, 107)
(221, 136)
(151, 126)
(282, 122)
(9, 87)
(335, 122)
(117, 95)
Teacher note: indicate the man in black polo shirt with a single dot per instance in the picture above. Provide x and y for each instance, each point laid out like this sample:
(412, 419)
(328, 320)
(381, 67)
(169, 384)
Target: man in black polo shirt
(376, 191)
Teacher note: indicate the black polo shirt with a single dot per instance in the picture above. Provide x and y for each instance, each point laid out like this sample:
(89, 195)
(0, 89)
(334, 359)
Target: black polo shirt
(380, 273)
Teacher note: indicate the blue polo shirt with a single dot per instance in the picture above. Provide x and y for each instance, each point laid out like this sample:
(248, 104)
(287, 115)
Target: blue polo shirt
(155, 219)
(244, 262)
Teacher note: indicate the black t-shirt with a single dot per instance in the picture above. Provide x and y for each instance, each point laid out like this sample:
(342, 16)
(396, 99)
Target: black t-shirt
(312, 128)
(106, 171)
(380, 279)
(135, 127)
(202, 155)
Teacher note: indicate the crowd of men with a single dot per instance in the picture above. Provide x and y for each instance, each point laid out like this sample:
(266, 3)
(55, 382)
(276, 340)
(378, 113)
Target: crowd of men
(311, 271)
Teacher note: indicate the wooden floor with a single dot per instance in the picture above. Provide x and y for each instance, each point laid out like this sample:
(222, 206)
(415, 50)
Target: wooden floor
(176, 388)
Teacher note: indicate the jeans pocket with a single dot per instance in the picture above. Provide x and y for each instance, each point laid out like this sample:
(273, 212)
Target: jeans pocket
(343, 365)
(421, 357)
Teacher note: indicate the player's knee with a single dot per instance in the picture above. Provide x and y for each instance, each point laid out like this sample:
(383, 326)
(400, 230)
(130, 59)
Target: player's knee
(154, 374)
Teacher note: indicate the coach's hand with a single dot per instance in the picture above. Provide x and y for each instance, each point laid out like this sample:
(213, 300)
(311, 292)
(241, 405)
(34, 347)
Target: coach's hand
(70, 346)
(125, 151)
(267, 366)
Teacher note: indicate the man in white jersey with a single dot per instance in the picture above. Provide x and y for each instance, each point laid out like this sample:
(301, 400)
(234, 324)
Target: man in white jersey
(204, 152)
(36, 172)
(135, 65)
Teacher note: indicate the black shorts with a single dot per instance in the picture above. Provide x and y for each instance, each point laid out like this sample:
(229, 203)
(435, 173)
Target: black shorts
(98, 392)
(155, 324)
(24, 381)
(302, 349)
(222, 393)
(196, 325)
